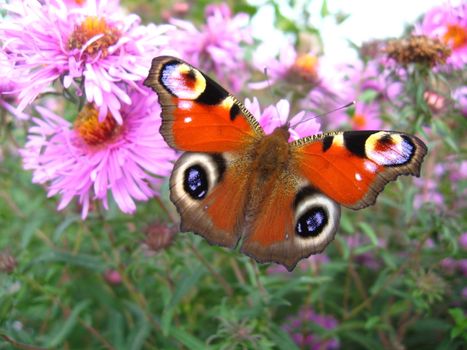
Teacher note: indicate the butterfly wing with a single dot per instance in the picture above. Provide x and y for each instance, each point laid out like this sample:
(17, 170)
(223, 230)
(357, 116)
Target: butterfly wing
(301, 215)
(198, 115)
(295, 221)
(352, 167)
(209, 182)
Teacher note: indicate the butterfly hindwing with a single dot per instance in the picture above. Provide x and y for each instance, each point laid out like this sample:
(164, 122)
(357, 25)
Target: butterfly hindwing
(209, 194)
(295, 221)
(352, 167)
(198, 115)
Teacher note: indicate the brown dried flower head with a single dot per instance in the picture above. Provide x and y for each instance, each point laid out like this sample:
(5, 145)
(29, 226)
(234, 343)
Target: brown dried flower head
(158, 237)
(7, 262)
(418, 49)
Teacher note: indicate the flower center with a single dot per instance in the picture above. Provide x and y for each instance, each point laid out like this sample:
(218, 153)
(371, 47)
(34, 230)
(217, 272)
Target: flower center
(95, 35)
(359, 120)
(305, 67)
(93, 132)
(455, 36)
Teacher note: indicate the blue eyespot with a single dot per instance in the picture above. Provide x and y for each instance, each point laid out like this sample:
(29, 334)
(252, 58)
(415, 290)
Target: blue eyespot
(312, 222)
(195, 182)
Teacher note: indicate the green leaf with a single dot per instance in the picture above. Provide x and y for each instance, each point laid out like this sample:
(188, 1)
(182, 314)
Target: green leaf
(324, 9)
(64, 225)
(368, 230)
(190, 341)
(281, 338)
(181, 289)
(82, 260)
(69, 324)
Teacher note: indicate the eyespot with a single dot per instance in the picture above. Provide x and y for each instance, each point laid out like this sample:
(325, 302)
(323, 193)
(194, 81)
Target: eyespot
(312, 222)
(195, 174)
(195, 182)
(316, 218)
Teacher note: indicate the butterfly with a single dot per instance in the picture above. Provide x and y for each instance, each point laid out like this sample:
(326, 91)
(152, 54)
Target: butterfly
(278, 200)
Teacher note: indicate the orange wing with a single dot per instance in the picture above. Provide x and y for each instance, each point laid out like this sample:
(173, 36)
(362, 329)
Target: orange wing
(198, 115)
(353, 167)
(294, 221)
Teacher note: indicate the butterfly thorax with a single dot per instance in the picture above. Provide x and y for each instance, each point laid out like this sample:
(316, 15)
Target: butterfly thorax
(272, 153)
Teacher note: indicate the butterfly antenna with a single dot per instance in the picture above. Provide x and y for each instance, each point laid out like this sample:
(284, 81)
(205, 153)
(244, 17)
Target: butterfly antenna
(303, 120)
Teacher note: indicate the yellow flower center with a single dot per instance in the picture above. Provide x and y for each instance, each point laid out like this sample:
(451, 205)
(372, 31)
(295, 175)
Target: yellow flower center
(305, 66)
(455, 36)
(93, 27)
(93, 132)
(359, 121)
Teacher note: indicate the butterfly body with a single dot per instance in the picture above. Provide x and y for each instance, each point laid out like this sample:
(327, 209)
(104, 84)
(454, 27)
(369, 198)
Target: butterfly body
(280, 199)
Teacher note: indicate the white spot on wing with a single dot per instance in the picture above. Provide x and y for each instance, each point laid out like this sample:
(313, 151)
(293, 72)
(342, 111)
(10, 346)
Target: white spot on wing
(187, 120)
(185, 104)
(358, 177)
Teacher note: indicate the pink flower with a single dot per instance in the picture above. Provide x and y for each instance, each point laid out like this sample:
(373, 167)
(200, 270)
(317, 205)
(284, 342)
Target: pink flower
(463, 241)
(428, 194)
(217, 47)
(95, 49)
(89, 159)
(113, 277)
(300, 331)
(9, 83)
(459, 96)
(462, 266)
(277, 115)
(290, 66)
(449, 24)
(366, 117)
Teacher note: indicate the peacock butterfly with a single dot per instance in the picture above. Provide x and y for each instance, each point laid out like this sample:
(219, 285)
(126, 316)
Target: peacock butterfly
(281, 199)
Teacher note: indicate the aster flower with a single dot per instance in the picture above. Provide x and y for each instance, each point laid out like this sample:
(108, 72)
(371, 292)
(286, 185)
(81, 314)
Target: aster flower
(366, 117)
(217, 46)
(277, 115)
(289, 66)
(459, 96)
(91, 159)
(9, 83)
(303, 329)
(449, 25)
(94, 48)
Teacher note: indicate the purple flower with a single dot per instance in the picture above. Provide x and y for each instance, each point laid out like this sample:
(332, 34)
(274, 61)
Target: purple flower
(95, 49)
(277, 115)
(305, 336)
(89, 159)
(449, 24)
(366, 117)
(428, 194)
(459, 96)
(288, 66)
(464, 293)
(367, 259)
(448, 265)
(217, 47)
(462, 266)
(9, 83)
(463, 241)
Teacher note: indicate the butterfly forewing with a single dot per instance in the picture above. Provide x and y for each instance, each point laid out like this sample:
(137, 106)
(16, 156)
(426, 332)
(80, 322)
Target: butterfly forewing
(198, 115)
(352, 167)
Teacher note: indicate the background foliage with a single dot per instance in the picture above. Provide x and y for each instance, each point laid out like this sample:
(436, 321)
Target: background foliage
(394, 278)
